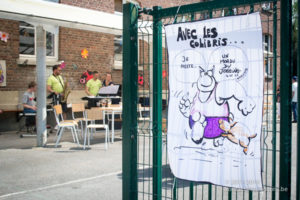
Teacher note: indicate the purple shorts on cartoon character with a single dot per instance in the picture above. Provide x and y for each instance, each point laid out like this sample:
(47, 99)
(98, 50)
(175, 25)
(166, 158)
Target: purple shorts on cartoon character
(212, 129)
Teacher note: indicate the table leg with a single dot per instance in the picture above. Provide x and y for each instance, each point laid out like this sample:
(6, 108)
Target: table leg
(113, 127)
(103, 114)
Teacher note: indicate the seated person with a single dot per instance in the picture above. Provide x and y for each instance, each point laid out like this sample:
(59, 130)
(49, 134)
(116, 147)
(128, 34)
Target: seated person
(28, 99)
(108, 80)
(93, 85)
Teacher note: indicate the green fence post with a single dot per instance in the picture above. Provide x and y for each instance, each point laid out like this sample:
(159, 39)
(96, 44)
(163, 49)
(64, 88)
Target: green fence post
(285, 101)
(157, 104)
(250, 195)
(298, 100)
(209, 192)
(129, 130)
(274, 123)
(174, 189)
(230, 194)
(191, 190)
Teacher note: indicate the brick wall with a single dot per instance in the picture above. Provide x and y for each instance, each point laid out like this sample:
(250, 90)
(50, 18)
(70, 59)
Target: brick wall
(100, 5)
(72, 41)
(267, 28)
(17, 77)
(100, 49)
(166, 3)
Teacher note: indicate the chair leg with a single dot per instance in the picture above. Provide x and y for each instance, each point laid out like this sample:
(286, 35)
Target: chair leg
(106, 137)
(92, 133)
(72, 134)
(76, 136)
(85, 135)
(81, 123)
(57, 133)
(59, 136)
(89, 136)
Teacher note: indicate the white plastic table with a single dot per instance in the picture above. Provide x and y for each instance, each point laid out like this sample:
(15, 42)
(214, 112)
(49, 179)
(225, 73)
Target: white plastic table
(111, 110)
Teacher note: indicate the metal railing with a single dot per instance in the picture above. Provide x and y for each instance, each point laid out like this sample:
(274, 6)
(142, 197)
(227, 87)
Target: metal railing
(146, 171)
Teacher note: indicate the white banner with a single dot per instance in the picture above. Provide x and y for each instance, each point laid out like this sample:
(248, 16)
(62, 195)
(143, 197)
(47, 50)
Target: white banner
(216, 100)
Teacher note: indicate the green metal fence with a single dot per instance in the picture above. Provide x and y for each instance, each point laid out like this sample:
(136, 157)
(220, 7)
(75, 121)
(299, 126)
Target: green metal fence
(146, 172)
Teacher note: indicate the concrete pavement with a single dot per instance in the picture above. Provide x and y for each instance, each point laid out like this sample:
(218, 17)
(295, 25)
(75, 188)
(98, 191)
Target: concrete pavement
(66, 172)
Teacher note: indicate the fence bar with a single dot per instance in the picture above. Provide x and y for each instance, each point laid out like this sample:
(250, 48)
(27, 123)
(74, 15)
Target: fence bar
(209, 192)
(298, 109)
(157, 104)
(174, 189)
(129, 130)
(191, 190)
(250, 195)
(274, 123)
(285, 101)
(230, 194)
(207, 5)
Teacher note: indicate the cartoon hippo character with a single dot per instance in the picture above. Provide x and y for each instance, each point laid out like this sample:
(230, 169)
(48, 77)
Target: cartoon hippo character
(236, 133)
(207, 102)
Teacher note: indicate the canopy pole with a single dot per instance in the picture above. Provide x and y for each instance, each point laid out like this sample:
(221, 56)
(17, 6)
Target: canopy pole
(41, 86)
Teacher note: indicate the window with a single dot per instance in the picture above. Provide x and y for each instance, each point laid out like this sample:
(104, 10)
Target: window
(267, 54)
(266, 6)
(27, 41)
(268, 66)
(118, 50)
(267, 43)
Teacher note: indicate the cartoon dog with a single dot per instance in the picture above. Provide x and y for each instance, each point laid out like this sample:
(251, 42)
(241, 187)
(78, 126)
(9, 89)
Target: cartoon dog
(236, 133)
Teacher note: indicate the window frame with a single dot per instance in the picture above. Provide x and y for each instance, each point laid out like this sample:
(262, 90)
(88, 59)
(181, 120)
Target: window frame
(269, 50)
(32, 58)
(268, 55)
(118, 64)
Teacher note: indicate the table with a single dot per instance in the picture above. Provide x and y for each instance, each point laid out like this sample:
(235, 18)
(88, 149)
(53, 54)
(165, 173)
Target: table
(92, 100)
(111, 110)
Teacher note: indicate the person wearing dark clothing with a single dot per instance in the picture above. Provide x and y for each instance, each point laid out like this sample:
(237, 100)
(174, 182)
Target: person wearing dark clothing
(108, 80)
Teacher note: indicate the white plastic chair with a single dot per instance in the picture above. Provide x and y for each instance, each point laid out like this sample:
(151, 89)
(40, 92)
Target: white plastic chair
(64, 124)
(94, 114)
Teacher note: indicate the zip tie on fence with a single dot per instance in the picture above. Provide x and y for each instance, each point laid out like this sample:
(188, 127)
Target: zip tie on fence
(145, 10)
(176, 14)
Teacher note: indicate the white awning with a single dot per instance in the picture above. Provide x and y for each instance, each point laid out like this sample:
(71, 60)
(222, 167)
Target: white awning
(50, 14)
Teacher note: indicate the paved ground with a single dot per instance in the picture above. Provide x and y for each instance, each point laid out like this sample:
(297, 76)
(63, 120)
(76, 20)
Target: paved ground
(66, 172)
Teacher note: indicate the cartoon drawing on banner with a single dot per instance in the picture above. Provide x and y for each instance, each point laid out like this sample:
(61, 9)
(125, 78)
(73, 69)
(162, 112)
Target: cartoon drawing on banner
(236, 133)
(216, 100)
(210, 91)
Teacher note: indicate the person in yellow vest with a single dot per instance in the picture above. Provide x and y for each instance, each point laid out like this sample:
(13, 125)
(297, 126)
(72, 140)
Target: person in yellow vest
(92, 88)
(55, 85)
(93, 85)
